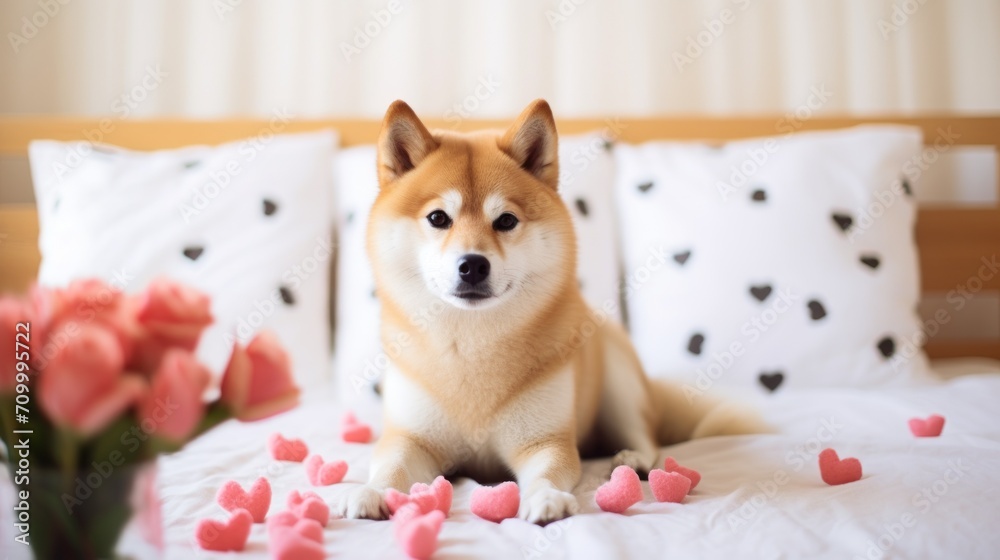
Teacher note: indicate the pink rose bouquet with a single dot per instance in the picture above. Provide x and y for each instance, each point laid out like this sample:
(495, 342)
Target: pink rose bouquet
(93, 380)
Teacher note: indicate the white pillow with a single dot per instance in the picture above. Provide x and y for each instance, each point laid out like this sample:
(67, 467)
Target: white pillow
(586, 180)
(787, 261)
(246, 222)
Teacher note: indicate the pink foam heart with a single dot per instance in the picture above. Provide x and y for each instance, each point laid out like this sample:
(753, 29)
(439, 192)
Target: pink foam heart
(835, 471)
(931, 427)
(290, 544)
(496, 503)
(231, 497)
(308, 505)
(669, 486)
(425, 501)
(353, 431)
(417, 533)
(289, 521)
(282, 449)
(324, 474)
(621, 492)
(442, 491)
(224, 536)
(671, 465)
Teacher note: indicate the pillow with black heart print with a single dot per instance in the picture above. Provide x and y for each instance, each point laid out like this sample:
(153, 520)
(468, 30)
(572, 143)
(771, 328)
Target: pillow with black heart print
(793, 260)
(585, 183)
(246, 222)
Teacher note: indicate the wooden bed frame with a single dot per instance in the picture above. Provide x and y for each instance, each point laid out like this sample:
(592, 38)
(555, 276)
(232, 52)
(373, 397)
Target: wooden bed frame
(952, 240)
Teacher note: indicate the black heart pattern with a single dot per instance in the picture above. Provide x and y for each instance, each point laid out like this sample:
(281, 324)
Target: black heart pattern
(644, 187)
(758, 196)
(286, 295)
(193, 252)
(887, 347)
(270, 207)
(906, 187)
(816, 310)
(694, 345)
(581, 205)
(771, 380)
(682, 258)
(843, 221)
(870, 261)
(760, 293)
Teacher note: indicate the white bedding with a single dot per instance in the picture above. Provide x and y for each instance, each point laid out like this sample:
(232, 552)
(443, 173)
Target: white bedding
(919, 498)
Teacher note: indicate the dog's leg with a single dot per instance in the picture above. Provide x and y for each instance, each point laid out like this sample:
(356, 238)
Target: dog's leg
(547, 471)
(626, 418)
(399, 461)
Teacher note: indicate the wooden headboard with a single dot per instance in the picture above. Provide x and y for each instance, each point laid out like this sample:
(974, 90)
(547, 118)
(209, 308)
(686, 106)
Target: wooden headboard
(952, 240)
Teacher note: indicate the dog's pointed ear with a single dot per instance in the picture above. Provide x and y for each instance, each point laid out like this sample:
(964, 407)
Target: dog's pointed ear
(403, 142)
(533, 143)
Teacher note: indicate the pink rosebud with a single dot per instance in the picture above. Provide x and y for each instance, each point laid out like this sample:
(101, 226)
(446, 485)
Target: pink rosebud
(172, 315)
(83, 386)
(258, 380)
(12, 312)
(173, 406)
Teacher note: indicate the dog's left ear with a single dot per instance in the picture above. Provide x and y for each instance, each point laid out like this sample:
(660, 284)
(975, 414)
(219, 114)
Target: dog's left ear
(533, 143)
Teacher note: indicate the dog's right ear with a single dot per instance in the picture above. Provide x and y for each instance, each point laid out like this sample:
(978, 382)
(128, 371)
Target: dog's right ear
(402, 143)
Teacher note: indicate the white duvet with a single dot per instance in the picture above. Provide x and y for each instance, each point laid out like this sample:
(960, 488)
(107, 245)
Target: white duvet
(760, 496)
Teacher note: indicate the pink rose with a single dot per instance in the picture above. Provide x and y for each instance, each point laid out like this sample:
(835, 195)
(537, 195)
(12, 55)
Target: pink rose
(174, 406)
(83, 386)
(12, 312)
(258, 380)
(172, 315)
(83, 302)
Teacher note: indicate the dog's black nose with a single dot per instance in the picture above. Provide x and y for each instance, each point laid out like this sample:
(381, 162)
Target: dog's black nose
(473, 268)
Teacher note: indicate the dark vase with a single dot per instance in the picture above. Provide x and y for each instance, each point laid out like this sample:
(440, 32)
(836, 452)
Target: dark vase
(84, 515)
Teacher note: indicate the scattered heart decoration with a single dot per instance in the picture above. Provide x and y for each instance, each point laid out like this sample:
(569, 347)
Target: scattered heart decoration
(353, 431)
(440, 490)
(760, 293)
(283, 449)
(232, 497)
(496, 503)
(670, 465)
(835, 470)
(301, 541)
(621, 492)
(320, 473)
(771, 380)
(308, 505)
(417, 533)
(288, 521)
(929, 427)
(224, 536)
(669, 486)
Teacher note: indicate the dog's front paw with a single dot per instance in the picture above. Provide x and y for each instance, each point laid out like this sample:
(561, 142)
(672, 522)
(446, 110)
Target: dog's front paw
(637, 461)
(361, 502)
(546, 505)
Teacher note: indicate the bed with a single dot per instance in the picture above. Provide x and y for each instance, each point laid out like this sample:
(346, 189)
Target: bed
(760, 495)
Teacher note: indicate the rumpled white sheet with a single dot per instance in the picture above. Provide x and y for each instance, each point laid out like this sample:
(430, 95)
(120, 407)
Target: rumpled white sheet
(760, 496)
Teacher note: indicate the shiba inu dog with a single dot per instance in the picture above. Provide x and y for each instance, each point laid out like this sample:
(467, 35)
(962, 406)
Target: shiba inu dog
(514, 374)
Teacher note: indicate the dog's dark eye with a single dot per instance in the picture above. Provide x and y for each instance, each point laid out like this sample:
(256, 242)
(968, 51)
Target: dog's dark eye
(505, 222)
(439, 219)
